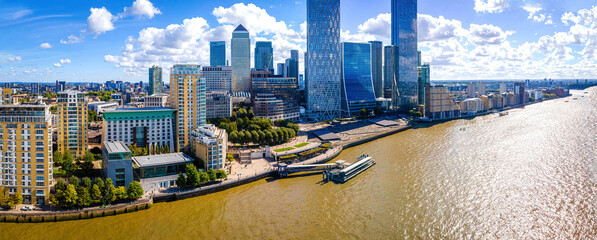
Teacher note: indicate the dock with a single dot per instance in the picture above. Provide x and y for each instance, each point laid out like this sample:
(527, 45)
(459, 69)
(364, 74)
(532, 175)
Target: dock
(341, 175)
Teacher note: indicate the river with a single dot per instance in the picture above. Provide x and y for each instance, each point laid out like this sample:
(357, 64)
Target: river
(529, 175)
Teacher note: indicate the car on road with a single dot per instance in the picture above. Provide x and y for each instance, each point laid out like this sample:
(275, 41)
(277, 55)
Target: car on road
(27, 208)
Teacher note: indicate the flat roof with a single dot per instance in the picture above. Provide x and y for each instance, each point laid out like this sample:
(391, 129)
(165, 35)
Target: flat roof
(326, 135)
(161, 160)
(115, 147)
(384, 123)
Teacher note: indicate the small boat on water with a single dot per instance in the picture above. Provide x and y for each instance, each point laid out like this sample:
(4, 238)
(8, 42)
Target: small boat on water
(575, 99)
(503, 114)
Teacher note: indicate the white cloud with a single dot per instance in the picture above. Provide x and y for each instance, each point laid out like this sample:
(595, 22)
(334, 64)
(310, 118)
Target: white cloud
(487, 34)
(28, 71)
(100, 21)
(62, 62)
(15, 59)
(141, 8)
(45, 45)
(491, 6)
(378, 26)
(435, 29)
(533, 10)
(57, 65)
(72, 39)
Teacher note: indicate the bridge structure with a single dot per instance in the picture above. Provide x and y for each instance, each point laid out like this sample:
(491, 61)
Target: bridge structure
(285, 169)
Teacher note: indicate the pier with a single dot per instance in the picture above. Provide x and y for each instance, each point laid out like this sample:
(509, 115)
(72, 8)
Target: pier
(284, 169)
(338, 172)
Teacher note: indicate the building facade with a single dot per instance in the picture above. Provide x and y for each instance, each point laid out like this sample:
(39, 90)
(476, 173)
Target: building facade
(323, 82)
(424, 78)
(404, 36)
(159, 171)
(156, 100)
(188, 96)
(357, 84)
(439, 103)
(156, 84)
(217, 53)
(471, 106)
(218, 78)
(267, 105)
(264, 56)
(117, 163)
(377, 67)
(241, 60)
(26, 151)
(72, 122)
(219, 104)
(209, 144)
(283, 103)
(388, 70)
(293, 64)
(142, 127)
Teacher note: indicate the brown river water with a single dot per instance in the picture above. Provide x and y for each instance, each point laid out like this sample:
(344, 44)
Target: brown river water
(529, 175)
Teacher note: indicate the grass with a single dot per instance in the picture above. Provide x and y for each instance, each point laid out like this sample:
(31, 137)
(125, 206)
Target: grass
(301, 145)
(58, 171)
(283, 149)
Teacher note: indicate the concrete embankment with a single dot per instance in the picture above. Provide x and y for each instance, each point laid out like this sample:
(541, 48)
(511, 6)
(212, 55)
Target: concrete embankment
(373, 137)
(57, 216)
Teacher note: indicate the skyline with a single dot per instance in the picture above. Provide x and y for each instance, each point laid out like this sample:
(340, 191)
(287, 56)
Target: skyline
(467, 40)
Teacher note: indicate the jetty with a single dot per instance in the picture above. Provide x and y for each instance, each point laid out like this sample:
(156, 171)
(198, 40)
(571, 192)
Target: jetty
(339, 171)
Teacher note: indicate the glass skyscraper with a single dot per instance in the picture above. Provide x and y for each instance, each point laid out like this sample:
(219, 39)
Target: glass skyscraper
(155, 81)
(241, 60)
(217, 53)
(293, 64)
(323, 83)
(404, 36)
(357, 83)
(264, 56)
(376, 67)
(389, 68)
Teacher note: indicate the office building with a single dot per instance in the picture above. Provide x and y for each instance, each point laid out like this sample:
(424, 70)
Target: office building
(209, 144)
(218, 78)
(264, 56)
(241, 60)
(159, 171)
(219, 104)
(323, 84)
(217, 53)
(389, 69)
(60, 86)
(117, 163)
(357, 84)
(35, 88)
(101, 106)
(267, 105)
(155, 81)
(72, 122)
(26, 151)
(377, 67)
(293, 64)
(404, 36)
(521, 95)
(424, 78)
(439, 104)
(156, 100)
(188, 96)
(153, 127)
(281, 69)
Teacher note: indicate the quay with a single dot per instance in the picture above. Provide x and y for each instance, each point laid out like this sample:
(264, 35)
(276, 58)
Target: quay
(338, 172)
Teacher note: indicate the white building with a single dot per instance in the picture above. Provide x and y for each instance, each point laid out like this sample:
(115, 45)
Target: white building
(209, 144)
(157, 100)
(101, 106)
(471, 106)
(218, 78)
(538, 95)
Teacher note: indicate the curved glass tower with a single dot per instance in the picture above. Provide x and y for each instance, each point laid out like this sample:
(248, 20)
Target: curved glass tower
(404, 35)
(323, 84)
(357, 81)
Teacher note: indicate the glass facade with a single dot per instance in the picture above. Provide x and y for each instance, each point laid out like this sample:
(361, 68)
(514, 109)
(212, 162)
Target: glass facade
(217, 53)
(264, 56)
(424, 78)
(404, 35)
(376, 67)
(357, 84)
(323, 83)
(293, 64)
(389, 68)
(155, 81)
(241, 60)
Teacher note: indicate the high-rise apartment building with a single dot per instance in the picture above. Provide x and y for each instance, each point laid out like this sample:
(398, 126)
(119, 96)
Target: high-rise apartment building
(217, 53)
(264, 56)
(155, 81)
(35, 88)
(218, 78)
(357, 84)
(188, 95)
(377, 67)
(60, 86)
(404, 36)
(323, 84)
(72, 122)
(26, 151)
(209, 144)
(241, 60)
(424, 78)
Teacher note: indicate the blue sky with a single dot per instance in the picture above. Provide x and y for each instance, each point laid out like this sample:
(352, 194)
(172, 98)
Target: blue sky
(44, 41)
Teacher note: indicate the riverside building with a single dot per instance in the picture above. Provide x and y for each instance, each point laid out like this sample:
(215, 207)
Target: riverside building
(404, 36)
(439, 103)
(357, 85)
(209, 144)
(72, 122)
(156, 100)
(188, 96)
(26, 151)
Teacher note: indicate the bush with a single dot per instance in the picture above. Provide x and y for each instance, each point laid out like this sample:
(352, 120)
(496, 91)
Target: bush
(290, 157)
(326, 145)
(311, 152)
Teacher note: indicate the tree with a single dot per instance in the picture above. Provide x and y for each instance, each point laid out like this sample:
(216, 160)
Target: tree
(181, 181)
(212, 175)
(120, 193)
(163, 149)
(108, 191)
(363, 113)
(230, 157)
(83, 197)
(193, 177)
(234, 136)
(221, 174)
(167, 148)
(96, 194)
(86, 182)
(60, 184)
(250, 114)
(254, 136)
(69, 197)
(58, 158)
(377, 111)
(87, 164)
(135, 191)
(233, 117)
(203, 177)
(248, 137)
(74, 181)
(261, 136)
(99, 182)
(241, 138)
(67, 164)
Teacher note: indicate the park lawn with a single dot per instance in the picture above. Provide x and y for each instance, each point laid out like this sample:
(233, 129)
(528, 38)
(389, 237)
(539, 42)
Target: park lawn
(301, 145)
(283, 149)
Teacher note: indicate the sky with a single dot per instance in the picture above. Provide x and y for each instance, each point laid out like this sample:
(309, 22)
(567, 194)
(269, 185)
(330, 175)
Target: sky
(101, 40)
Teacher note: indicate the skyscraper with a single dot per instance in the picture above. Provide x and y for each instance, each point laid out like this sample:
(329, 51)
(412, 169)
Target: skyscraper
(323, 84)
(72, 122)
(293, 65)
(218, 78)
(357, 83)
(424, 78)
(188, 95)
(241, 60)
(264, 56)
(404, 36)
(217, 53)
(376, 67)
(281, 69)
(389, 69)
(155, 81)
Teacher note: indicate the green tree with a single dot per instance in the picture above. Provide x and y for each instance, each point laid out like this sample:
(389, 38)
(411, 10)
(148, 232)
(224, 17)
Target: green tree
(60, 184)
(193, 177)
(230, 157)
(203, 177)
(254, 136)
(134, 191)
(108, 191)
(377, 111)
(212, 175)
(99, 182)
(86, 182)
(248, 137)
(83, 197)
(167, 148)
(234, 136)
(241, 138)
(221, 174)
(250, 114)
(120, 193)
(70, 196)
(58, 158)
(181, 181)
(68, 164)
(261, 136)
(363, 113)
(74, 181)
(96, 194)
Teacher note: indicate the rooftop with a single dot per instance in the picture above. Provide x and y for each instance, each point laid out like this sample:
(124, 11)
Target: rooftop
(142, 109)
(240, 28)
(115, 147)
(161, 160)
